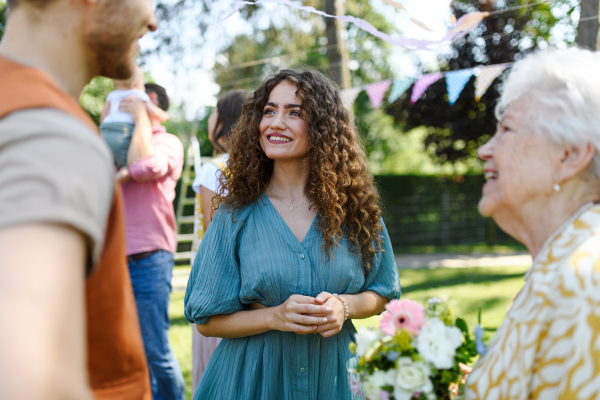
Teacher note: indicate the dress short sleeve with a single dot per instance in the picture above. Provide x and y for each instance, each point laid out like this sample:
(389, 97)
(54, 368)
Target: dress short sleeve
(214, 284)
(55, 169)
(383, 277)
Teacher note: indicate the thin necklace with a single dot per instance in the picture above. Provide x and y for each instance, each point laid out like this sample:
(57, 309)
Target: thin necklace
(558, 232)
(290, 207)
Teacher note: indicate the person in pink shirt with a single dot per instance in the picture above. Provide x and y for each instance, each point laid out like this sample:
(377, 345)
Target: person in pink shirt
(155, 161)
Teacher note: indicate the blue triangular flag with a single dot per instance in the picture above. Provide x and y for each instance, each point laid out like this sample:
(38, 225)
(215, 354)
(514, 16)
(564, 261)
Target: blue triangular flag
(456, 82)
(399, 87)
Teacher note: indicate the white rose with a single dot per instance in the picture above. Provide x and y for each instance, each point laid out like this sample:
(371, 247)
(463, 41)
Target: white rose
(411, 377)
(364, 338)
(372, 385)
(437, 343)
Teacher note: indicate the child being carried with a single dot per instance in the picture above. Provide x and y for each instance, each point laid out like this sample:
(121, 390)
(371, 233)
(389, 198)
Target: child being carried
(117, 126)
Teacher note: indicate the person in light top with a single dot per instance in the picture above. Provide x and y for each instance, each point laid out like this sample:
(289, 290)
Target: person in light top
(206, 184)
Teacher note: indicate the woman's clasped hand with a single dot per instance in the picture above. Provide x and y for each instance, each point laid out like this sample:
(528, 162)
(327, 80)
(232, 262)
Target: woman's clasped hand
(323, 314)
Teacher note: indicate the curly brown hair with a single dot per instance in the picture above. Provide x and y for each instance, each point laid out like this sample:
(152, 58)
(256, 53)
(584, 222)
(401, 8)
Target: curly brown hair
(340, 187)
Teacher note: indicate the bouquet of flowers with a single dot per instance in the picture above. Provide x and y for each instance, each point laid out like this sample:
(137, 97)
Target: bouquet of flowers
(415, 354)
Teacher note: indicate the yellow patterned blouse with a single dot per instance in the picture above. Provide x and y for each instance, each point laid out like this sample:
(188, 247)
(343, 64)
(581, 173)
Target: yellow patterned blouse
(549, 344)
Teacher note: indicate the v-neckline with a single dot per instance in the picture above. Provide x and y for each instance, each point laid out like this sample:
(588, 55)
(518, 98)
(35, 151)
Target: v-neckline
(284, 228)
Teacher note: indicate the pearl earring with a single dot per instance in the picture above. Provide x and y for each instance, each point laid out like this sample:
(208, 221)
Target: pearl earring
(557, 187)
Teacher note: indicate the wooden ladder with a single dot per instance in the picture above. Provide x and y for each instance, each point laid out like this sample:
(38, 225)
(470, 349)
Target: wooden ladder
(193, 162)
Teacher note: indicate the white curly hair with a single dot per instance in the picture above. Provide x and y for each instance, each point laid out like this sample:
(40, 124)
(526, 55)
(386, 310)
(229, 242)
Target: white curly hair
(565, 89)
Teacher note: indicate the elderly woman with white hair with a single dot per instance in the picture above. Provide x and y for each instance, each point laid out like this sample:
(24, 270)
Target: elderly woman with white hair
(543, 186)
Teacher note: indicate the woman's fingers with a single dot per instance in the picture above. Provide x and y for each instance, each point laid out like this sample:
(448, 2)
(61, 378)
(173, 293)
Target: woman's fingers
(298, 298)
(323, 297)
(305, 319)
(331, 332)
(291, 327)
(328, 327)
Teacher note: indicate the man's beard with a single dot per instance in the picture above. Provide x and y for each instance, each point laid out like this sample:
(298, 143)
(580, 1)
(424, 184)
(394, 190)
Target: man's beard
(110, 43)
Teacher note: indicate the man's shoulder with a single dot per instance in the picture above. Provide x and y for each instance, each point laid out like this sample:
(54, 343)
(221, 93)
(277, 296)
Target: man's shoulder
(28, 123)
(169, 139)
(60, 171)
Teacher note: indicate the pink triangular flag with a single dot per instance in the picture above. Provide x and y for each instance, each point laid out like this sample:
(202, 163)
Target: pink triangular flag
(422, 84)
(486, 77)
(376, 91)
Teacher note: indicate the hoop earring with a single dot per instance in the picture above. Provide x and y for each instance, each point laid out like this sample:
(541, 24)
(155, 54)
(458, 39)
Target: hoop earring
(557, 187)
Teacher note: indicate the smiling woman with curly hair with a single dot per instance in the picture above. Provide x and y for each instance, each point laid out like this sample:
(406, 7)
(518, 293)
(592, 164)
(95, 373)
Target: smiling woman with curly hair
(298, 223)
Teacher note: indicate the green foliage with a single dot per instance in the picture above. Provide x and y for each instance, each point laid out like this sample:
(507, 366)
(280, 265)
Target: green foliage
(454, 133)
(300, 42)
(182, 128)
(2, 17)
(93, 96)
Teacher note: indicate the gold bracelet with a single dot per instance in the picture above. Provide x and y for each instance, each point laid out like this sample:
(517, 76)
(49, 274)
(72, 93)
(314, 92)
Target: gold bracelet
(346, 311)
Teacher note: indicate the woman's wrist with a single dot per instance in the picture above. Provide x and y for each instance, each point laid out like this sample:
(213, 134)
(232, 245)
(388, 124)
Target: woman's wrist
(346, 308)
(271, 322)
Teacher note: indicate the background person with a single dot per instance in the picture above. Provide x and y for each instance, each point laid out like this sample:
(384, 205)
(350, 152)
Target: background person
(206, 184)
(543, 186)
(155, 161)
(299, 223)
(62, 251)
(117, 126)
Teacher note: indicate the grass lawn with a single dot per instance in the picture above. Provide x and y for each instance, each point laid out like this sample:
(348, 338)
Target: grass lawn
(467, 289)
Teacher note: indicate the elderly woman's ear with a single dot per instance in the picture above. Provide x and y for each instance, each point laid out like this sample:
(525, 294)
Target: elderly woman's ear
(576, 161)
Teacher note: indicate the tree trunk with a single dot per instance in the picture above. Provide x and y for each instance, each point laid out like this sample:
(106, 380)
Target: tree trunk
(337, 52)
(587, 31)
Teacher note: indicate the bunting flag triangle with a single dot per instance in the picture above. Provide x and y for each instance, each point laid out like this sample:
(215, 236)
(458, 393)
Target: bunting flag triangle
(399, 87)
(348, 96)
(456, 82)
(422, 84)
(485, 78)
(376, 91)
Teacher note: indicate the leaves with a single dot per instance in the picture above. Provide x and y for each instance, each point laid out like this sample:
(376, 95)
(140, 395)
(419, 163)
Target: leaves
(462, 325)
(454, 133)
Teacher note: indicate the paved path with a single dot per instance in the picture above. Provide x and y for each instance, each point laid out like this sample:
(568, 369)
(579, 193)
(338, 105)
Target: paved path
(441, 260)
(415, 261)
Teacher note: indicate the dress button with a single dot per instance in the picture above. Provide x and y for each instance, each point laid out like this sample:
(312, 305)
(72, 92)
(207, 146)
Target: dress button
(302, 369)
(302, 256)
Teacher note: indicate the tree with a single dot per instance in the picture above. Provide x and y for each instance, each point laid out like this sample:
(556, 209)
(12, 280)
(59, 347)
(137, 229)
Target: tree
(250, 58)
(587, 31)
(337, 51)
(456, 132)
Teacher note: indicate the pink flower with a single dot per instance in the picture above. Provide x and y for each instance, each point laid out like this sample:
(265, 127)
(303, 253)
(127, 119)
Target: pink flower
(402, 314)
(384, 395)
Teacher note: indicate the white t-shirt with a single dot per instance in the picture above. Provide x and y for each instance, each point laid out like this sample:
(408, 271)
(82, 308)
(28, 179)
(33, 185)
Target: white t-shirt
(115, 98)
(209, 174)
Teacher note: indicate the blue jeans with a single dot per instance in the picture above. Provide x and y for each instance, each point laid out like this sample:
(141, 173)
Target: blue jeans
(118, 137)
(151, 280)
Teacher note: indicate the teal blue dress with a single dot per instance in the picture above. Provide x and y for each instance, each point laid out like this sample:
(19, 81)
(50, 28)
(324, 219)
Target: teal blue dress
(257, 258)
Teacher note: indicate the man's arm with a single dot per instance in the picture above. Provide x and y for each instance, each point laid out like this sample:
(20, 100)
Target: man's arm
(141, 141)
(42, 328)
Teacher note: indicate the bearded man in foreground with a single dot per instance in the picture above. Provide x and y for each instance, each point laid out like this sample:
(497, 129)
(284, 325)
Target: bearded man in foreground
(68, 325)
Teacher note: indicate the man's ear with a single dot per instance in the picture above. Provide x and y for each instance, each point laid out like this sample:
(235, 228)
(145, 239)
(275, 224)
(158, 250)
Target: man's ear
(154, 97)
(576, 159)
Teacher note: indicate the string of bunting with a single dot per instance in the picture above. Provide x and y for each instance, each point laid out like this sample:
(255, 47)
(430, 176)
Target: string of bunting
(464, 25)
(455, 84)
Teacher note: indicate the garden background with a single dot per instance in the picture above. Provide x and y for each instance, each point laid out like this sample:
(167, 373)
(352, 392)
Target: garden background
(423, 154)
